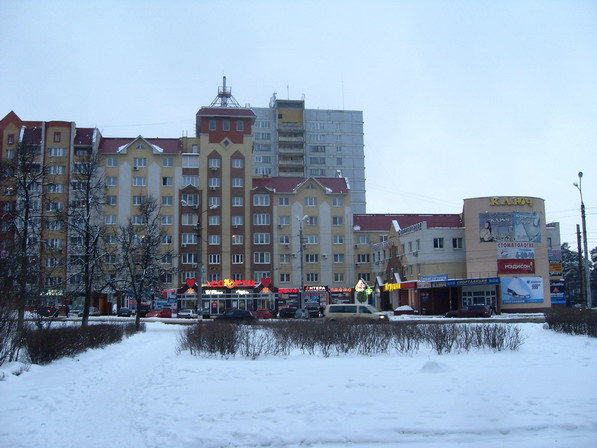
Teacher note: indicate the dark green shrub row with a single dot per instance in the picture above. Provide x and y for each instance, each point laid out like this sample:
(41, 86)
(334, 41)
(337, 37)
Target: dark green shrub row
(44, 345)
(572, 321)
(342, 338)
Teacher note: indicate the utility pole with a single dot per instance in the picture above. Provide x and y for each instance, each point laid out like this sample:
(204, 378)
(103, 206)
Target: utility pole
(587, 269)
(580, 266)
(301, 251)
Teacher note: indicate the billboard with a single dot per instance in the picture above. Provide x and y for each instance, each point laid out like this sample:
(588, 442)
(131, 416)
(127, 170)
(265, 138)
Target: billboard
(522, 290)
(557, 290)
(507, 227)
(516, 266)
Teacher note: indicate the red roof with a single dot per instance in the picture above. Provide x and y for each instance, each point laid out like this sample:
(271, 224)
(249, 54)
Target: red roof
(84, 136)
(382, 223)
(226, 112)
(290, 184)
(112, 145)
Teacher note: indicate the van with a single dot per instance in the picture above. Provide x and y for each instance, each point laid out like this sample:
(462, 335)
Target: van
(353, 311)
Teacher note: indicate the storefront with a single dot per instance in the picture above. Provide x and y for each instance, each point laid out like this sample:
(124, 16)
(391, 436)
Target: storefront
(341, 295)
(315, 296)
(221, 295)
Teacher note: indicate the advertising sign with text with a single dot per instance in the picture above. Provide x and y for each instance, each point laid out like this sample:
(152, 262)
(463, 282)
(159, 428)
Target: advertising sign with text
(516, 266)
(522, 290)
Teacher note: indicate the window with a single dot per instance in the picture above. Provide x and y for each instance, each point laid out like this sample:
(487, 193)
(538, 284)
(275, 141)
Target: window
(189, 179)
(138, 200)
(283, 202)
(167, 239)
(284, 278)
(237, 201)
(190, 161)
(81, 168)
(240, 125)
(457, 243)
(263, 136)
(110, 219)
(167, 162)
(261, 258)
(213, 163)
(284, 239)
(237, 163)
(312, 277)
(312, 221)
(338, 277)
(111, 200)
(312, 239)
(263, 147)
(139, 181)
(213, 202)
(261, 200)
(10, 139)
(188, 258)
(57, 152)
(410, 246)
(167, 181)
(237, 221)
(337, 202)
(363, 258)
(238, 240)
(261, 219)
(56, 169)
(213, 220)
(258, 275)
(167, 200)
(57, 137)
(364, 239)
(212, 125)
(54, 225)
(137, 220)
(317, 160)
(55, 188)
(214, 240)
(438, 243)
(338, 161)
(261, 238)
(166, 278)
(139, 162)
(189, 200)
(226, 125)
(112, 162)
(317, 148)
(238, 182)
(139, 146)
(310, 201)
(214, 182)
(284, 220)
(338, 239)
(188, 238)
(238, 258)
(166, 220)
(167, 259)
(55, 206)
(311, 258)
(195, 149)
(337, 220)
(189, 219)
(338, 258)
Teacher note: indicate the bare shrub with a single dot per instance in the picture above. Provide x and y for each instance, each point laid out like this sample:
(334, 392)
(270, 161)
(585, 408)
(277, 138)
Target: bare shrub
(211, 339)
(442, 338)
(9, 337)
(572, 321)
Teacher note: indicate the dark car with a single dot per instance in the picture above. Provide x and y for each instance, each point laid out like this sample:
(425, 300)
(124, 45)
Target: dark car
(471, 311)
(287, 313)
(313, 310)
(124, 312)
(48, 311)
(236, 315)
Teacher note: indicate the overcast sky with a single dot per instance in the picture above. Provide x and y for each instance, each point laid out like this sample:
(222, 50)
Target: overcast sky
(460, 98)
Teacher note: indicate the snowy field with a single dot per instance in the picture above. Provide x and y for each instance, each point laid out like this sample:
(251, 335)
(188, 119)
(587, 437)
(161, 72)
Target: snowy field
(143, 394)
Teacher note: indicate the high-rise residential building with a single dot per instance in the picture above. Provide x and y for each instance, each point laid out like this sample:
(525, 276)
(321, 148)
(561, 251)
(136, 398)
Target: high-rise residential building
(290, 140)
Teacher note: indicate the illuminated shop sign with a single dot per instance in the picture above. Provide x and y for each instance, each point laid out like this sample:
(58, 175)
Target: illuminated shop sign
(316, 288)
(510, 201)
(340, 289)
(288, 290)
(229, 283)
(516, 266)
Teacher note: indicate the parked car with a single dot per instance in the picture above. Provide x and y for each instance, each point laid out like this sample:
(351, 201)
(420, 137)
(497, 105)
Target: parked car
(48, 311)
(313, 310)
(353, 311)
(302, 313)
(93, 311)
(264, 313)
(187, 313)
(470, 311)
(164, 312)
(287, 313)
(404, 309)
(124, 312)
(236, 315)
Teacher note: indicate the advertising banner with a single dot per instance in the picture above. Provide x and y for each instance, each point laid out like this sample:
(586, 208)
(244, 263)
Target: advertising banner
(516, 266)
(557, 290)
(555, 269)
(504, 227)
(522, 290)
(515, 251)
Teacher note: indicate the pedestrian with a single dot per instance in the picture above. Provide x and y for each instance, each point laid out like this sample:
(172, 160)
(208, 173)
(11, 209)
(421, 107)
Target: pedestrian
(66, 310)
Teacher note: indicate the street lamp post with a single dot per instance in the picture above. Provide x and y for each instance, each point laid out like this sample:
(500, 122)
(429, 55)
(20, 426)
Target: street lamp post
(587, 271)
(301, 251)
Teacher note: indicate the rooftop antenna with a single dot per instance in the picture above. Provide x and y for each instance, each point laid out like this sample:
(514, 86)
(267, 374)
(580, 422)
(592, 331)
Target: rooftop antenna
(224, 98)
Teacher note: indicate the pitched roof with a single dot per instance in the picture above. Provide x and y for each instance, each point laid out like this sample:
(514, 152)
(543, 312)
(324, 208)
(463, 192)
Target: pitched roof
(226, 112)
(84, 136)
(382, 223)
(165, 145)
(291, 184)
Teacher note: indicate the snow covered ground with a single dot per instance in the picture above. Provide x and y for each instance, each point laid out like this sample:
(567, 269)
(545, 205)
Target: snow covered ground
(143, 394)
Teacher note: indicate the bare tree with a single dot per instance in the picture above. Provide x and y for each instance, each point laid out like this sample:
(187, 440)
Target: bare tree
(21, 180)
(83, 220)
(142, 260)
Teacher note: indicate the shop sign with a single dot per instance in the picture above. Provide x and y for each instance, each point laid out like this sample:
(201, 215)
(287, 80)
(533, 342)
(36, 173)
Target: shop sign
(391, 287)
(516, 266)
(515, 251)
(509, 227)
(510, 201)
(360, 286)
(522, 290)
(555, 269)
(348, 290)
(288, 290)
(229, 283)
(410, 229)
(557, 291)
(316, 288)
(434, 278)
